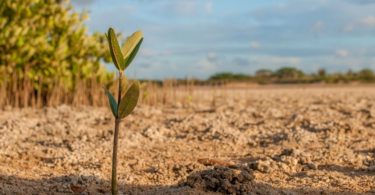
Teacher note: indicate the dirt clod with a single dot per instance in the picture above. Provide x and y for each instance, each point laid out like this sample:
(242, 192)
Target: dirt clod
(223, 179)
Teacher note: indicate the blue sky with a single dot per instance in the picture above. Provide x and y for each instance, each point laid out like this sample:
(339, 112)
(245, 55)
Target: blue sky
(197, 38)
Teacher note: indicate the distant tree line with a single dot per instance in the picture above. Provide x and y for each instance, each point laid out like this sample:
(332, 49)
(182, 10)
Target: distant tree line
(293, 75)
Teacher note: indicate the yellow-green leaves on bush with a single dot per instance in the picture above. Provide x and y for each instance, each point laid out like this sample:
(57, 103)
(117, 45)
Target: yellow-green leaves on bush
(132, 45)
(129, 100)
(46, 40)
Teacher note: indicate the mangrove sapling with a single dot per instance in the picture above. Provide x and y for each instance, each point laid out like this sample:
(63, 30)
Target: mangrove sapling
(126, 103)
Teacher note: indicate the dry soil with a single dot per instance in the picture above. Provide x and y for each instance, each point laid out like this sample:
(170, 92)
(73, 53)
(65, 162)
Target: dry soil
(291, 140)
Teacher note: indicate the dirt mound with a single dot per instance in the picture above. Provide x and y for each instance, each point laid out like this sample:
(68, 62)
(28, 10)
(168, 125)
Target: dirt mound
(227, 180)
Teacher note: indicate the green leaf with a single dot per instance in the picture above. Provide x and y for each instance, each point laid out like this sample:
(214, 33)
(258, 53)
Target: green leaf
(129, 100)
(112, 103)
(114, 48)
(130, 58)
(132, 45)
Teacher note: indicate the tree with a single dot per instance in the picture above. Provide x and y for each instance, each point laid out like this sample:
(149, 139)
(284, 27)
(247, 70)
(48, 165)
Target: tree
(366, 75)
(264, 76)
(289, 73)
(262, 73)
(228, 76)
(46, 42)
(322, 73)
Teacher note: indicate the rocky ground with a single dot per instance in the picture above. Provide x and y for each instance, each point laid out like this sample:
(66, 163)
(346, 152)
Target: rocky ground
(246, 141)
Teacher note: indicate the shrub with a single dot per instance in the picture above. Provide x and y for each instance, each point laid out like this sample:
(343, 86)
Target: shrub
(44, 43)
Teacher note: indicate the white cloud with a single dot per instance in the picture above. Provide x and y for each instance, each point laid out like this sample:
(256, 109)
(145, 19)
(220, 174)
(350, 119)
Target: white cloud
(349, 27)
(185, 7)
(148, 53)
(208, 7)
(342, 53)
(189, 7)
(209, 63)
(368, 21)
(239, 61)
(277, 61)
(206, 65)
(318, 26)
(212, 56)
(255, 45)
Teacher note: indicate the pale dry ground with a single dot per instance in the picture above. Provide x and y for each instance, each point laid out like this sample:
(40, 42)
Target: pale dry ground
(289, 140)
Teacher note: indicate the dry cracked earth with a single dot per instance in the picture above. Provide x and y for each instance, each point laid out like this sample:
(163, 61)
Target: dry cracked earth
(289, 140)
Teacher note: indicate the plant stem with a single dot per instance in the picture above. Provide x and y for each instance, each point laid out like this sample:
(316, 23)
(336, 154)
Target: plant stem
(114, 158)
(115, 142)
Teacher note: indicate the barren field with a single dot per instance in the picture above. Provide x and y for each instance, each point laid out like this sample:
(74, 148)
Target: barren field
(290, 140)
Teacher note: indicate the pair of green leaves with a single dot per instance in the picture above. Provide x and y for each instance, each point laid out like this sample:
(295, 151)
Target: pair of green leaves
(132, 45)
(122, 61)
(127, 103)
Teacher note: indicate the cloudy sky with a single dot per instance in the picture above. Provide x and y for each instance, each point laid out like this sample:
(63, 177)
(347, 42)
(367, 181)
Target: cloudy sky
(197, 38)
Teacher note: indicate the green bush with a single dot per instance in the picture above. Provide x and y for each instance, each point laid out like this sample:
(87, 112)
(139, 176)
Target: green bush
(47, 39)
(227, 76)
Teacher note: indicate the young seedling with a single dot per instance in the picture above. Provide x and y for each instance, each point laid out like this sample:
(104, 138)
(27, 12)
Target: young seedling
(126, 103)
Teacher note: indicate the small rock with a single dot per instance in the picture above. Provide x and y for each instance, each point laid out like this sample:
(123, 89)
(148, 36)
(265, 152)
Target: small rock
(152, 170)
(371, 168)
(263, 166)
(77, 188)
(312, 166)
(286, 152)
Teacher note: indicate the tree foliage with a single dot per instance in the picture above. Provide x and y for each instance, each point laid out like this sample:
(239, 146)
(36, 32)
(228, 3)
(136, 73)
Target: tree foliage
(228, 76)
(289, 73)
(294, 75)
(47, 39)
